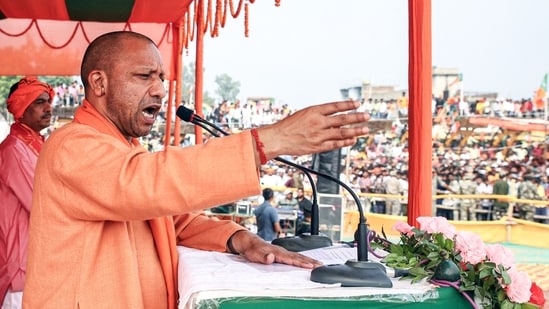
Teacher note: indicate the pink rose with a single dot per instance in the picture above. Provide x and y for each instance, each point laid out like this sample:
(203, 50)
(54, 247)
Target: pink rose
(518, 290)
(499, 254)
(471, 247)
(437, 225)
(402, 227)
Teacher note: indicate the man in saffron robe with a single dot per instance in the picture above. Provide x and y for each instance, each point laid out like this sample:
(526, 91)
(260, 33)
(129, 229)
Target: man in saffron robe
(29, 101)
(107, 214)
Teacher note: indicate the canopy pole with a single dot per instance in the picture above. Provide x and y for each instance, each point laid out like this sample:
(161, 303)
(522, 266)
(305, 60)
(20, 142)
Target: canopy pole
(199, 61)
(169, 104)
(178, 42)
(419, 115)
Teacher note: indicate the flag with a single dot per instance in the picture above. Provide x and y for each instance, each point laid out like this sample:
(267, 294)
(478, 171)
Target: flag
(541, 93)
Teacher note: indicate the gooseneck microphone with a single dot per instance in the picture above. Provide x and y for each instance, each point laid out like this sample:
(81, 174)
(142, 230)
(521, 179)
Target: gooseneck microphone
(355, 272)
(292, 243)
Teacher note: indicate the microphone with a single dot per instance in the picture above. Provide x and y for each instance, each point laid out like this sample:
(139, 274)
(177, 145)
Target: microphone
(355, 272)
(186, 114)
(292, 243)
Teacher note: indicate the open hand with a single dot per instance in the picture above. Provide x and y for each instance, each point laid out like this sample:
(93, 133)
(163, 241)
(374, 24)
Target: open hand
(255, 249)
(315, 129)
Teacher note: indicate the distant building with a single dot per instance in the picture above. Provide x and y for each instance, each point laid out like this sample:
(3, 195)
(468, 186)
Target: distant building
(367, 91)
(446, 83)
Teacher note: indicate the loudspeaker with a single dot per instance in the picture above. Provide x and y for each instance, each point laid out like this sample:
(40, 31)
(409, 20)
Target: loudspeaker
(329, 163)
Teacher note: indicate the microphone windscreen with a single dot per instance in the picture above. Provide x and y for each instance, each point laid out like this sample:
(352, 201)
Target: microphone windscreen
(184, 113)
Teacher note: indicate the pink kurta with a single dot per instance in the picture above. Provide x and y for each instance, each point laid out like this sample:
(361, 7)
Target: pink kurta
(90, 236)
(17, 163)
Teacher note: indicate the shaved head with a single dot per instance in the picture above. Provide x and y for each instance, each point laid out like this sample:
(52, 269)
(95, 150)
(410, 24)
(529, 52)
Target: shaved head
(123, 76)
(106, 50)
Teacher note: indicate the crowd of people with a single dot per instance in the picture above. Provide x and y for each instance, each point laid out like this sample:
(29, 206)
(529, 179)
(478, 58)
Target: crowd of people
(378, 163)
(379, 171)
(465, 176)
(392, 108)
(68, 95)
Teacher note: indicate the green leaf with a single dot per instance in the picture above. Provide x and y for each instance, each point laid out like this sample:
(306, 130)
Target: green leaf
(417, 279)
(501, 295)
(418, 271)
(485, 273)
(395, 249)
(506, 304)
(505, 277)
(413, 261)
(467, 288)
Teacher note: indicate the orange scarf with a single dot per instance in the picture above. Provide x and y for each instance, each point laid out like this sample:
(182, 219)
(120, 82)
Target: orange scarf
(28, 136)
(162, 228)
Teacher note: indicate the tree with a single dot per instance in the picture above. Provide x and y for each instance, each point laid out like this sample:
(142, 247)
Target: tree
(227, 89)
(187, 93)
(208, 102)
(5, 84)
(189, 81)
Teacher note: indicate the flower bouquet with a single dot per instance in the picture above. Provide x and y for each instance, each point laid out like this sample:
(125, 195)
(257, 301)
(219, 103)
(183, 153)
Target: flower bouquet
(484, 274)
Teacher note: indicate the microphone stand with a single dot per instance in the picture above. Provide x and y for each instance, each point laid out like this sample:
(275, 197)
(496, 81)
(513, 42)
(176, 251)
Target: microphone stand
(305, 241)
(355, 272)
(292, 243)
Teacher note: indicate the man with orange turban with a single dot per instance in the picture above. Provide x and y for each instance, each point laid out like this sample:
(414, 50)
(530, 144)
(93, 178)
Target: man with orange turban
(29, 102)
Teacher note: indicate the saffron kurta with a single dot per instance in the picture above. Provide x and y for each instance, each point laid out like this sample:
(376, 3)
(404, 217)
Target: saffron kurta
(17, 162)
(90, 242)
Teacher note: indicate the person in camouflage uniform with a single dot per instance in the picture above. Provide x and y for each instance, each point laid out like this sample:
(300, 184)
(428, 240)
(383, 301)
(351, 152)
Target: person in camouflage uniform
(527, 191)
(501, 205)
(514, 183)
(467, 186)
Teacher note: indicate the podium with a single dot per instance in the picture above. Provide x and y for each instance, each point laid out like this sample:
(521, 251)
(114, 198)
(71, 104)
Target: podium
(222, 280)
(448, 298)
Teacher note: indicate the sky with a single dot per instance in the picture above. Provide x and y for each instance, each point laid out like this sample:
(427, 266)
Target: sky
(304, 51)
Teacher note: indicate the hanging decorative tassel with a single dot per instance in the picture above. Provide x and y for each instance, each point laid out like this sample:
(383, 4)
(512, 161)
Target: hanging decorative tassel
(215, 18)
(246, 14)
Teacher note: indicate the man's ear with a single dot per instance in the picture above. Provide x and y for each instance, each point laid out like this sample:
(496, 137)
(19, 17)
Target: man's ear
(97, 81)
